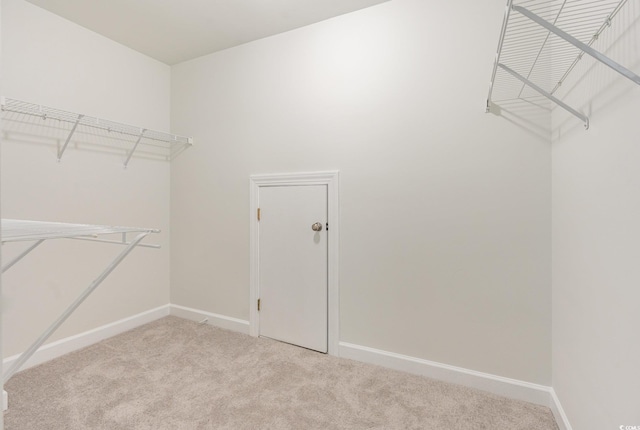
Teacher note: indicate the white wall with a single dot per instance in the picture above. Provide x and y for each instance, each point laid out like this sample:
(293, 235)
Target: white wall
(596, 274)
(445, 210)
(50, 61)
(1, 259)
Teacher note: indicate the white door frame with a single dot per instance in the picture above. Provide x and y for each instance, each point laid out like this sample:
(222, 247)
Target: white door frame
(331, 180)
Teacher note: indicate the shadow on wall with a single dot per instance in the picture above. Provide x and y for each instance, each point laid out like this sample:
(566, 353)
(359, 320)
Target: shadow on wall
(594, 87)
(532, 115)
(55, 145)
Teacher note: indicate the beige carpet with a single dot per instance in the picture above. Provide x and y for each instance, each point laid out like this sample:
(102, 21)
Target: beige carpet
(175, 374)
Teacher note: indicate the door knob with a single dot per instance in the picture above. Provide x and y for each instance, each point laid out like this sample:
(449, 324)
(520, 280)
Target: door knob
(317, 226)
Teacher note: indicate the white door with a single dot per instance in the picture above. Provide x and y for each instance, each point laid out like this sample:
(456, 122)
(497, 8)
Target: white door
(293, 265)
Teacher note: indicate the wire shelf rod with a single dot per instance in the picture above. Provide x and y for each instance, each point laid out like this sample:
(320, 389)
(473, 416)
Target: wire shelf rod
(595, 37)
(17, 112)
(544, 43)
(588, 9)
(117, 242)
(108, 129)
(580, 23)
(584, 47)
(497, 59)
(26, 230)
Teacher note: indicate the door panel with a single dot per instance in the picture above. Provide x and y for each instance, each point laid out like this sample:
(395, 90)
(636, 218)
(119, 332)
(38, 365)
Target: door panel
(293, 265)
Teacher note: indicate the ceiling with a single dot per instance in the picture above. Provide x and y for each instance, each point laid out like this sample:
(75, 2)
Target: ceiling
(173, 31)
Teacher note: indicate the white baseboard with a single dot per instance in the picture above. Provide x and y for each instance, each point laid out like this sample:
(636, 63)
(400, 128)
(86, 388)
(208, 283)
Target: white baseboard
(511, 388)
(72, 343)
(558, 412)
(221, 321)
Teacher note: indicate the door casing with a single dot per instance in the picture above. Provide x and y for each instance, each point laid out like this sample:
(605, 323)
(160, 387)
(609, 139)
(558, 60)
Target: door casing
(331, 180)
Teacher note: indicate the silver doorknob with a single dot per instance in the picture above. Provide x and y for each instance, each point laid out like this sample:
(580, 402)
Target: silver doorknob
(317, 226)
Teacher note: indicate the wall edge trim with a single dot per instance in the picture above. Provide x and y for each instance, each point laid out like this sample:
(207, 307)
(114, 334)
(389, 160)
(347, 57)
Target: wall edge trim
(495, 384)
(216, 320)
(558, 412)
(502, 386)
(78, 341)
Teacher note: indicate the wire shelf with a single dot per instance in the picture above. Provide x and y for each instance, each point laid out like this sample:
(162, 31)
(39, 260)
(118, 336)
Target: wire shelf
(63, 127)
(38, 232)
(26, 230)
(541, 42)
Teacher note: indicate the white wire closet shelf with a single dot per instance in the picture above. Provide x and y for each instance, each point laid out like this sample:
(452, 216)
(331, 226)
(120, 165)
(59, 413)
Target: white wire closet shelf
(65, 128)
(24, 230)
(541, 42)
(38, 232)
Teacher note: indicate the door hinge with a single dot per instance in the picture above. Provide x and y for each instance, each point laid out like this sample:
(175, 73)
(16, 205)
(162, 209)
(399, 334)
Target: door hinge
(258, 305)
(258, 214)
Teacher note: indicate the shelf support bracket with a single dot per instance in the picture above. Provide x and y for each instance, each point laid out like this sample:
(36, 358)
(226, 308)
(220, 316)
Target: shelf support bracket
(73, 130)
(135, 145)
(503, 31)
(582, 46)
(21, 256)
(62, 318)
(557, 101)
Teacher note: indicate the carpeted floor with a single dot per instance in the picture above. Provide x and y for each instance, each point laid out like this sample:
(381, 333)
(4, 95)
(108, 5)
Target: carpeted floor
(174, 374)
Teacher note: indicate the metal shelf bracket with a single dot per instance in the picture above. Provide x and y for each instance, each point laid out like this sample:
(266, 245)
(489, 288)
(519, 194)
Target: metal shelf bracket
(15, 366)
(38, 231)
(503, 30)
(66, 143)
(135, 145)
(21, 255)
